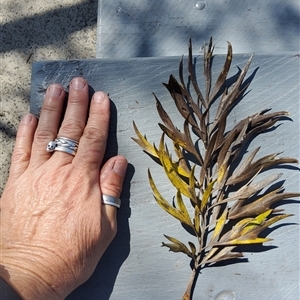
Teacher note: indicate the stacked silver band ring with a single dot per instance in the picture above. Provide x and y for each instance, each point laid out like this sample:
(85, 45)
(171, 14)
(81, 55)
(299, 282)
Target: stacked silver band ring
(63, 144)
(110, 200)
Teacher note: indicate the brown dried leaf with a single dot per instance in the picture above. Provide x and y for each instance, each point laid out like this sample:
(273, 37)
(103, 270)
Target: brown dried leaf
(223, 75)
(248, 169)
(260, 205)
(231, 96)
(224, 254)
(176, 92)
(250, 189)
(193, 77)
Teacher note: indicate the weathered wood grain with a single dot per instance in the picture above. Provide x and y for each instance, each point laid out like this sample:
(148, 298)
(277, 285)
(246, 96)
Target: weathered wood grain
(143, 28)
(135, 266)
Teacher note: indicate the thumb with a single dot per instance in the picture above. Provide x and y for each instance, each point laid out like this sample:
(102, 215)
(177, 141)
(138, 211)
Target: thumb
(111, 181)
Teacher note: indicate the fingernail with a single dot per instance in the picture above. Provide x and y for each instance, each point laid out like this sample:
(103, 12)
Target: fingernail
(26, 119)
(120, 167)
(55, 91)
(98, 97)
(78, 83)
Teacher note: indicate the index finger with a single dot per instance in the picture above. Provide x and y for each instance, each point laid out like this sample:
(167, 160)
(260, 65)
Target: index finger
(92, 144)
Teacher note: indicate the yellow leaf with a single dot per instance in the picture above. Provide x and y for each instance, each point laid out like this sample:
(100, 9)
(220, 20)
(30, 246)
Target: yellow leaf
(166, 205)
(249, 241)
(206, 195)
(170, 171)
(221, 172)
(183, 209)
(192, 185)
(276, 219)
(220, 225)
(143, 142)
(256, 221)
(197, 220)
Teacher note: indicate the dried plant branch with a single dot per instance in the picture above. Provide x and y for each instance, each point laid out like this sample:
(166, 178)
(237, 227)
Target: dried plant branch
(231, 206)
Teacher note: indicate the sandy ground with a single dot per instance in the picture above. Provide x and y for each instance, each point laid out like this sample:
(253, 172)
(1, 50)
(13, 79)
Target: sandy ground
(35, 30)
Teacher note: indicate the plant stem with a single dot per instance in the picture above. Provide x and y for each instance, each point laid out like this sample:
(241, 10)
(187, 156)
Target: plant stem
(189, 290)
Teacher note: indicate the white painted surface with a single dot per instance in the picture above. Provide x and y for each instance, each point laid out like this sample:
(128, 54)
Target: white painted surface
(135, 266)
(153, 28)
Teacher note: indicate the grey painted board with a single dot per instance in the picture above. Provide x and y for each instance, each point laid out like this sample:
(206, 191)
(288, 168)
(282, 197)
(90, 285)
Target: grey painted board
(135, 266)
(152, 28)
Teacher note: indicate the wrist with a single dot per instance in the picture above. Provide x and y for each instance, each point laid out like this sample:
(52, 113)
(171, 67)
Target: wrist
(32, 277)
(27, 284)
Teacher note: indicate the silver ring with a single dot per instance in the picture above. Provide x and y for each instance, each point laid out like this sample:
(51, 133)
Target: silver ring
(111, 200)
(63, 144)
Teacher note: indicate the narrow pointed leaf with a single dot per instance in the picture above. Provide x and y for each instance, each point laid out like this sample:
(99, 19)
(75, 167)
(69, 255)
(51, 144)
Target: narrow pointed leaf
(246, 241)
(143, 142)
(163, 115)
(193, 249)
(223, 75)
(193, 77)
(197, 220)
(225, 254)
(182, 208)
(207, 195)
(183, 169)
(177, 246)
(163, 203)
(219, 226)
(173, 176)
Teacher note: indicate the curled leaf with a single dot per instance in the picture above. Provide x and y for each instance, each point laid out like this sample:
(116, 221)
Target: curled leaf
(177, 246)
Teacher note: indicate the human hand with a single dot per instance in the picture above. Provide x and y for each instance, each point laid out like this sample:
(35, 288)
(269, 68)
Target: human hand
(54, 228)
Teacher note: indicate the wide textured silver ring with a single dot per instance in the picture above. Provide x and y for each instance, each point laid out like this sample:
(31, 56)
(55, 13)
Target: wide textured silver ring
(63, 144)
(111, 200)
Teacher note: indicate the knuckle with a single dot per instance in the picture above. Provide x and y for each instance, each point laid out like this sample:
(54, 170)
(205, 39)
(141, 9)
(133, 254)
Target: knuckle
(69, 128)
(20, 155)
(76, 98)
(48, 107)
(113, 188)
(93, 133)
(43, 135)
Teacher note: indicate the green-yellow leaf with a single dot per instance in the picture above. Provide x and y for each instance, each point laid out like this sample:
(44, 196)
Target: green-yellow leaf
(256, 221)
